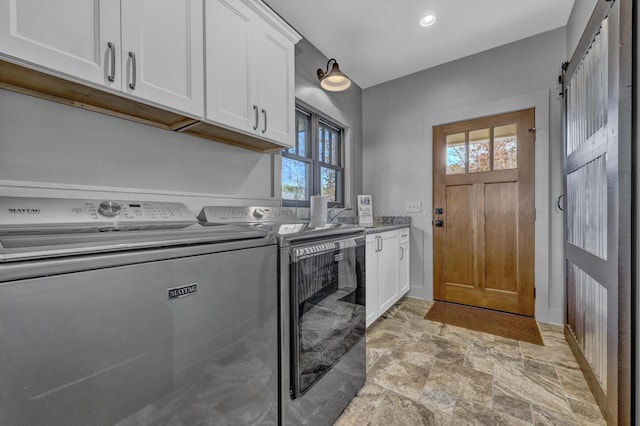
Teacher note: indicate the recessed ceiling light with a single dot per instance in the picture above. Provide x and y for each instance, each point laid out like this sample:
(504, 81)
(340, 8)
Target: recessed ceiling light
(428, 20)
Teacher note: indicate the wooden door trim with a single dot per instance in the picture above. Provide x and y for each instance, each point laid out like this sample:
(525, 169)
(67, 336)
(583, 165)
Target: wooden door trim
(511, 175)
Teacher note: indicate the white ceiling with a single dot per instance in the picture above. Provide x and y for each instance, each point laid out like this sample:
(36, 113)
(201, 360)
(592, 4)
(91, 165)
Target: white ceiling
(379, 40)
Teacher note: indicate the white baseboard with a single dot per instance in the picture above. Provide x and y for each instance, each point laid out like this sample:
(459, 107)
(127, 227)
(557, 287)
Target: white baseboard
(416, 292)
(556, 317)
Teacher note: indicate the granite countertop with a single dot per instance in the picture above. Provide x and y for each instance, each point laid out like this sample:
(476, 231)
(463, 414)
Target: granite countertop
(380, 223)
(383, 227)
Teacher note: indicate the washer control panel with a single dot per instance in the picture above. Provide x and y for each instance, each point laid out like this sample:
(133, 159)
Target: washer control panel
(22, 215)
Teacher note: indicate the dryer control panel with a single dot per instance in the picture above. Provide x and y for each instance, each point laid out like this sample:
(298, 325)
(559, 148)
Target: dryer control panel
(212, 215)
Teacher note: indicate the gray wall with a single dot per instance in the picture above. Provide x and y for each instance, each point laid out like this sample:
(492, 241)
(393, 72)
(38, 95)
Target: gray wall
(53, 146)
(344, 108)
(397, 160)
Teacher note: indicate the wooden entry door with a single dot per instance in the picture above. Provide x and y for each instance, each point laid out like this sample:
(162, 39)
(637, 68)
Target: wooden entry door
(484, 215)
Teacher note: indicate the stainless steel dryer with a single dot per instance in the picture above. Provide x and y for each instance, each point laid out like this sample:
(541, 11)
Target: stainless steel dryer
(322, 310)
(131, 313)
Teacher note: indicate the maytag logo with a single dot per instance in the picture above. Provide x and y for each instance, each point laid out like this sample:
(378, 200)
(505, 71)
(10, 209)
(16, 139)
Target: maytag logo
(24, 211)
(182, 291)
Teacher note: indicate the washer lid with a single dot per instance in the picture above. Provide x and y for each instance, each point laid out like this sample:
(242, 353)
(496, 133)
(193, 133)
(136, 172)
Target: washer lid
(42, 246)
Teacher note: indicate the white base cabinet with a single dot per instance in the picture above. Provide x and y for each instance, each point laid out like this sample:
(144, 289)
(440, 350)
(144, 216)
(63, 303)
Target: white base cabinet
(404, 281)
(387, 269)
(371, 266)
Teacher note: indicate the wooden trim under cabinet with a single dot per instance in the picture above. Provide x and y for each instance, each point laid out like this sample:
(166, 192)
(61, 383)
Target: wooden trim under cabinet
(229, 137)
(32, 82)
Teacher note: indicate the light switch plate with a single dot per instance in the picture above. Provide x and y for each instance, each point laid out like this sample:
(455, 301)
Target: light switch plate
(414, 206)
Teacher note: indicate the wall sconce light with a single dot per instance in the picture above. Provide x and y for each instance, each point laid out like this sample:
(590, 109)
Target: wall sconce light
(334, 81)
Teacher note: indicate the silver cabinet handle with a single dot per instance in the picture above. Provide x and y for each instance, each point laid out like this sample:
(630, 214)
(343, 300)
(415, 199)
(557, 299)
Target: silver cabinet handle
(112, 73)
(381, 247)
(401, 253)
(264, 129)
(255, 109)
(132, 84)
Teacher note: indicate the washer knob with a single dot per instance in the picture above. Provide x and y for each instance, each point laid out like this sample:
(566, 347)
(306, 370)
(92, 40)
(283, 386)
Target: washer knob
(258, 213)
(109, 208)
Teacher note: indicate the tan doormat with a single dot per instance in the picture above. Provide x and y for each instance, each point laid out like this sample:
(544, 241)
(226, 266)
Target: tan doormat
(512, 326)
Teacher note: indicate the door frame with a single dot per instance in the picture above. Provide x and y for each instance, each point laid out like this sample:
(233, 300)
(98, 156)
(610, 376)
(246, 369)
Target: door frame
(549, 302)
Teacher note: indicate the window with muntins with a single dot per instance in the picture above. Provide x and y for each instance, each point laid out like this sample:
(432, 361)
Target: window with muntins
(482, 150)
(315, 164)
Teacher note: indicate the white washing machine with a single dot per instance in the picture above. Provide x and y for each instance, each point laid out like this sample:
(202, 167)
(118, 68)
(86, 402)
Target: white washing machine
(131, 313)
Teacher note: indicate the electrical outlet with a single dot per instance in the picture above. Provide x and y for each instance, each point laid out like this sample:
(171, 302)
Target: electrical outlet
(414, 206)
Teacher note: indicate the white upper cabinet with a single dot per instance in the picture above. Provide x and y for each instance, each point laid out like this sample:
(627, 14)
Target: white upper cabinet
(153, 52)
(250, 71)
(230, 95)
(78, 38)
(162, 53)
(149, 49)
(276, 81)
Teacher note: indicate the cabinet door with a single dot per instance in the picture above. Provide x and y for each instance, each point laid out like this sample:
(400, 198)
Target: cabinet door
(404, 282)
(371, 280)
(70, 37)
(162, 53)
(231, 92)
(276, 80)
(388, 271)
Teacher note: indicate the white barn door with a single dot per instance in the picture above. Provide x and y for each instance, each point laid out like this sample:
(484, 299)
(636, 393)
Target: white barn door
(597, 170)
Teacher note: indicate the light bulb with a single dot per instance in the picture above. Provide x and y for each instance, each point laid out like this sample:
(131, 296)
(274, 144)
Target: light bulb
(428, 20)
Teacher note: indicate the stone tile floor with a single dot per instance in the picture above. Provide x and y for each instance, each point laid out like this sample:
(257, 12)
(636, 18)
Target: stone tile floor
(421, 372)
